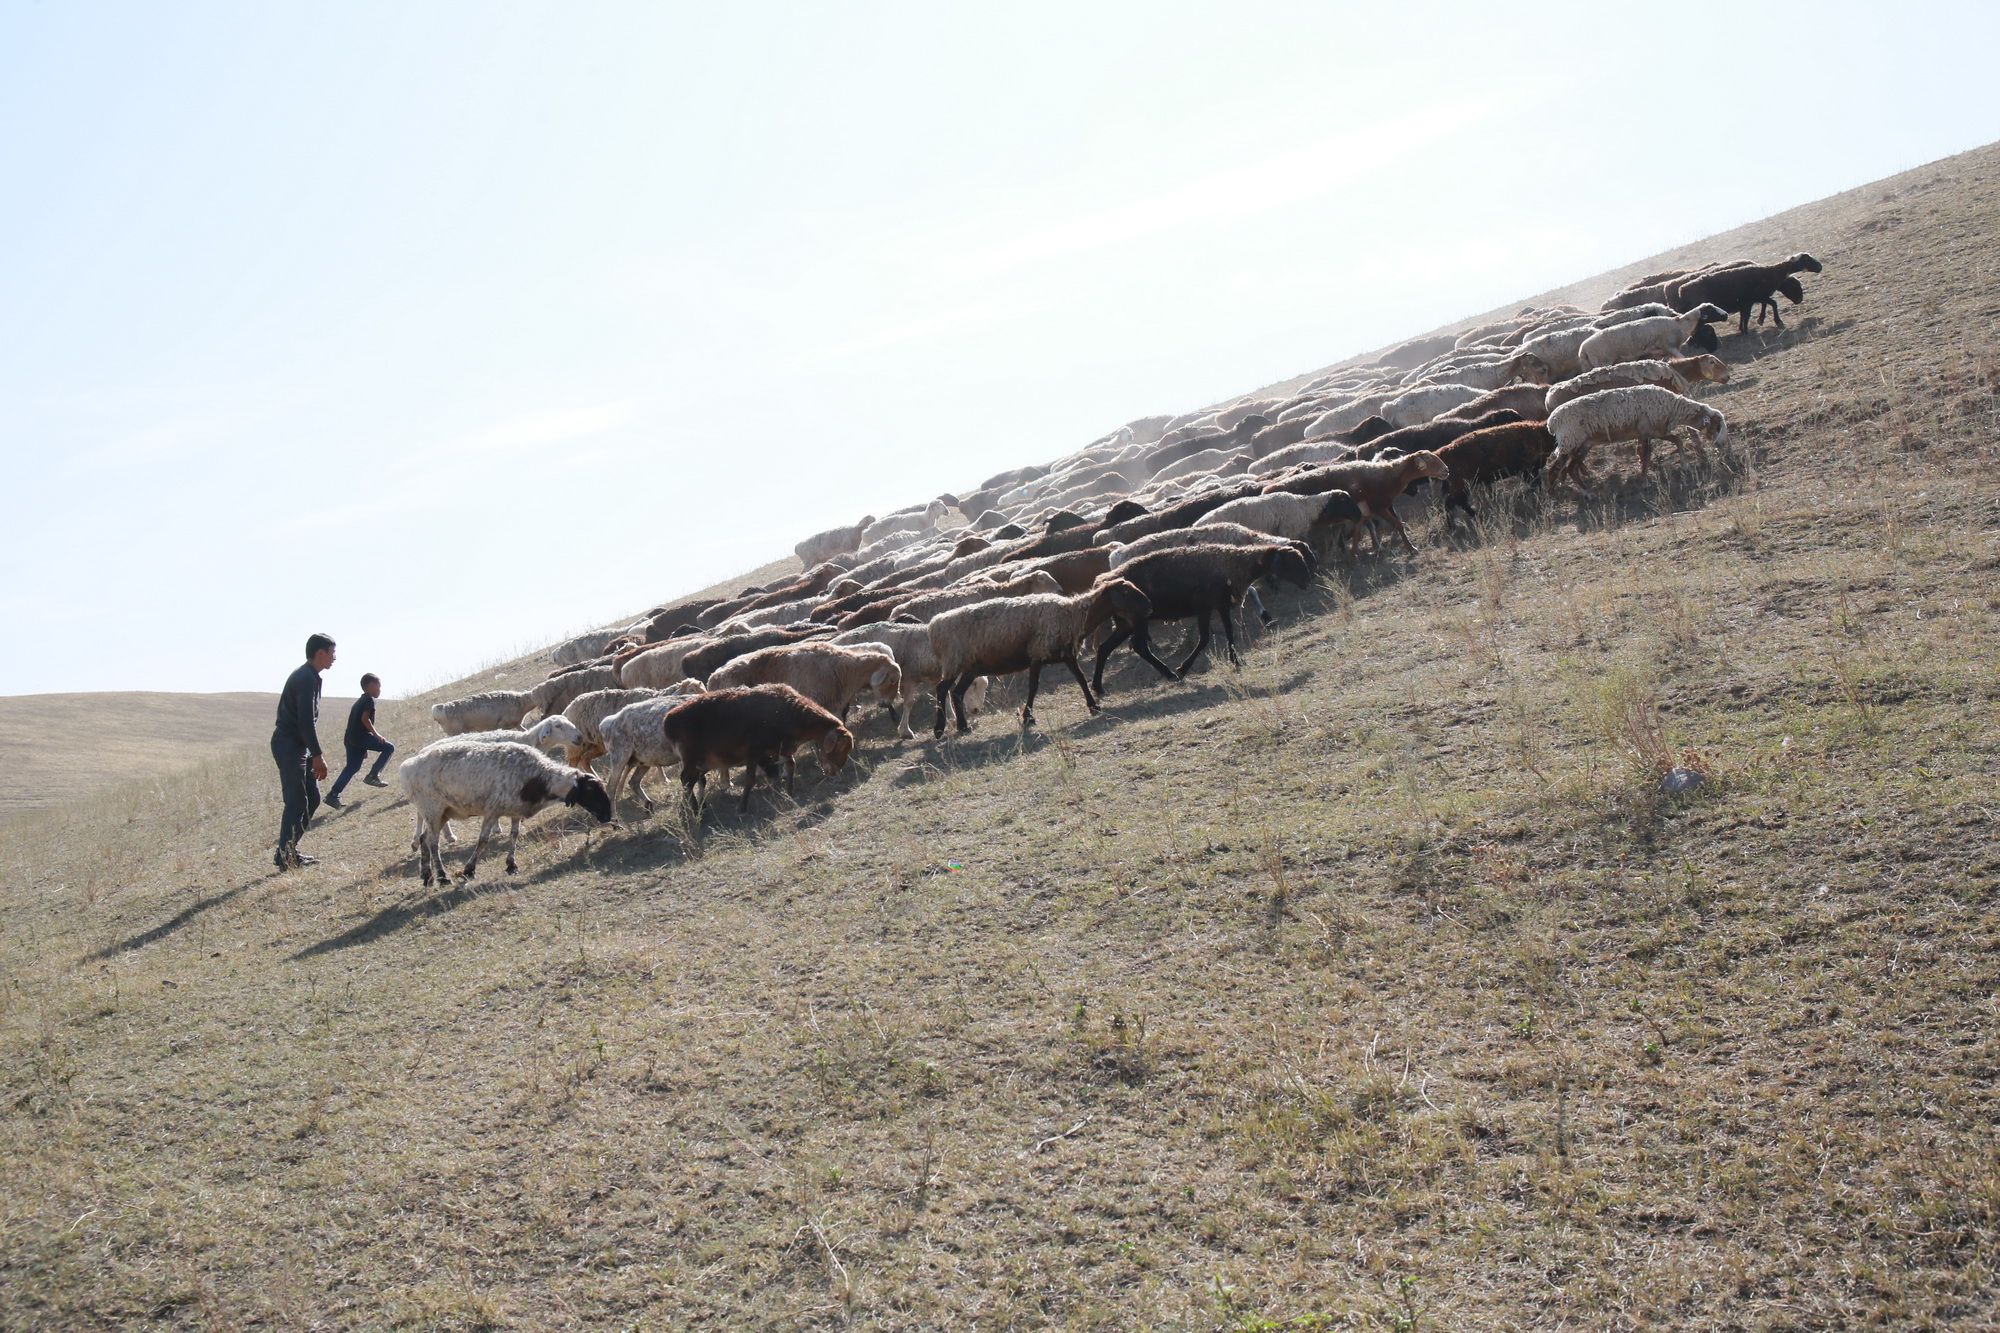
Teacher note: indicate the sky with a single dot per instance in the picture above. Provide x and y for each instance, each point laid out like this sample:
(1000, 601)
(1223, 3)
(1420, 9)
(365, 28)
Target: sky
(453, 328)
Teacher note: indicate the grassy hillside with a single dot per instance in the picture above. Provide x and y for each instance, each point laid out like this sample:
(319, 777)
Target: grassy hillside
(1377, 986)
(57, 747)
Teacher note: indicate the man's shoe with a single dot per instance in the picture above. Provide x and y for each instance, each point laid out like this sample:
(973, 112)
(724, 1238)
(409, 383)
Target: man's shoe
(332, 801)
(280, 864)
(372, 781)
(302, 859)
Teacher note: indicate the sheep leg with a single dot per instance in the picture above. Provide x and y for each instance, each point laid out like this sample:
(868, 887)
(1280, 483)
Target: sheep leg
(639, 772)
(1201, 642)
(1743, 322)
(1645, 456)
(1390, 513)
(749, 781)
(1228, 634)
(1453, 501)
(908, 701)
(1142, 644)
(943, 694)
(486, 827)
(1257, 600)
(424, 853)
(1111, 641)
(791, 772)
(958, 690)
(1034, 684)
(1076, 669)
(513, 836)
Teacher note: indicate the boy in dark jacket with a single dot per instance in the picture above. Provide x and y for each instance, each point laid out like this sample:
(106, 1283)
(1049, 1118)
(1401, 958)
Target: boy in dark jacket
(295, 747)
(362, 739)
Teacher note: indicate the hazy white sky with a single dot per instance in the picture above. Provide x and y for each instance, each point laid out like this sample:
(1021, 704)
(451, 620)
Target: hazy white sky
(449, 328)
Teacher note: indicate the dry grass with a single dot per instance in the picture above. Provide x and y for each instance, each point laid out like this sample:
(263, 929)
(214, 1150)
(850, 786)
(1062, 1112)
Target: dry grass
(57, 747)
(1378, 986)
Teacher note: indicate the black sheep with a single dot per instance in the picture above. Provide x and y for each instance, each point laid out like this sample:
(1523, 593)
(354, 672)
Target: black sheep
(1198, 582)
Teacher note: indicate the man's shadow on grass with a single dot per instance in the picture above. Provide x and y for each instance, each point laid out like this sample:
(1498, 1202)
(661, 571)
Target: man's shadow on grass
(176, 921)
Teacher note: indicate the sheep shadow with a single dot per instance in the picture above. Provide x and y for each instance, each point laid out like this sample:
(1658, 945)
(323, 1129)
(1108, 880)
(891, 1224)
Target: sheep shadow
(176, 921)
(397, 916)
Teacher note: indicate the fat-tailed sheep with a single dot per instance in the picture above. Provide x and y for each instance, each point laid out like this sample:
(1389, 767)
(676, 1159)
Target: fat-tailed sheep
(459, 779)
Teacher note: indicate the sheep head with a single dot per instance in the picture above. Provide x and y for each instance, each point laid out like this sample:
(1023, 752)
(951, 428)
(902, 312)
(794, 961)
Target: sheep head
(1339, 507)
(1705, 338)
(1295, 568)
(1792, 290)
(1804, 261)
(834, 748)
(1425, 463)
(588, 793)
(1531, 368)
(1117, 597)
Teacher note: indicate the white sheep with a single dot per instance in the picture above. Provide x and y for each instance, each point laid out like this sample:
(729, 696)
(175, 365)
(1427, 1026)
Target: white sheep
(917, 520)
(1558, 349)
(1280, 514)
(910, 645)
(635, 743)
(1644, 339)
(1642, 412)
(551, 733)
(458, 779)
(1226, 462)
(554, 694)
(1680, 375)
(657, 667)
(1423, 403)
(488, 711)
(834, 541)
(586, 713)
(1023, 634)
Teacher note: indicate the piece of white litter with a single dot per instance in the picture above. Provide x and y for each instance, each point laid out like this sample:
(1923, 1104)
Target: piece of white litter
(1680, 779)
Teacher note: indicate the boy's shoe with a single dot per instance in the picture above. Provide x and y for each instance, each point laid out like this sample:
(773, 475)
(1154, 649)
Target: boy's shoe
(372, 781)
(333, 801)
(301, 859)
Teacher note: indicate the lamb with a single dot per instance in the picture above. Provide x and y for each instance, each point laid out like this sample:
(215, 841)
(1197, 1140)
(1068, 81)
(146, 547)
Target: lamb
(1521, 448)
(1294, 517)
(1644, 339)
(911, 647)
(831, 675)
(1740, 288)
(489, 711)
(1642, 412)
(834, 541)
(1197, 581)
(1023, 634)
(756, 727)
(1374, 484)
(1680, 375)
(459, 779)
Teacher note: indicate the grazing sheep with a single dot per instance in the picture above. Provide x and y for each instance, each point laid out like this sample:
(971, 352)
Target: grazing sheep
(1179, 515)
(1023, 634)
(1525, 399)
(554, 694)
(1297, 518)
(548, 734)
(1427, 403)
(1558, 350)
(1519, 449)
(834, 541)
(587, 712)
(491, 711)
(911, 647)
(634, 745)
(756, 726)
(584, 647)
(703, 661)
(831, 675)
(1197, 582)
(926, 606)
(1373, 483)
(1642, 412)
(1644, 339)
(656, 667)
(1226, 462)
(1679, 375)
(459, 779)
(919, 520)
(1291, 456)
(1215, 534)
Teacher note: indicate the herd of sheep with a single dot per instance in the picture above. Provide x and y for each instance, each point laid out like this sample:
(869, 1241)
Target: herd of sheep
(1164, 519)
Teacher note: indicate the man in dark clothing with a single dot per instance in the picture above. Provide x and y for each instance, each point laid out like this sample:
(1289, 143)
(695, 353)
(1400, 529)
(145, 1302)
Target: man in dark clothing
(362, 738)
(295, 747)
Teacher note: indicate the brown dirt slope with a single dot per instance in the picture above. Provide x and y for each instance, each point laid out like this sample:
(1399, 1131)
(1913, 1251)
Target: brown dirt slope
(57, 747)
(1378, 985)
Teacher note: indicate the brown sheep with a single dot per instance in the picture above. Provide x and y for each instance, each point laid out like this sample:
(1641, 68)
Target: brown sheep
(755, 726)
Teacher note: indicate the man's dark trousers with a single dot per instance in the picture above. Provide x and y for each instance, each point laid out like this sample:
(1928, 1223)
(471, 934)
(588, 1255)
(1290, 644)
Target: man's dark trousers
(301, 794)
(357, 755)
